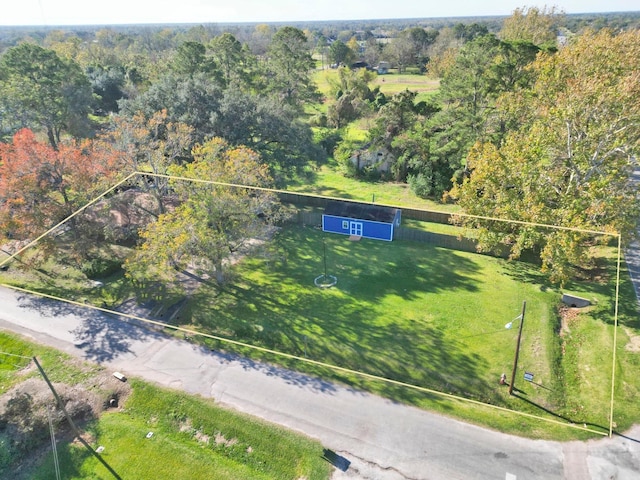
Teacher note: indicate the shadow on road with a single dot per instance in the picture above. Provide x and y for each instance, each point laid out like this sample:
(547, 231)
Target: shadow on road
(102, 337)
(289, 376)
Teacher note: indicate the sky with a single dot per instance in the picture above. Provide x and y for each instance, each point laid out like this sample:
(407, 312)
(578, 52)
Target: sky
(108, 12)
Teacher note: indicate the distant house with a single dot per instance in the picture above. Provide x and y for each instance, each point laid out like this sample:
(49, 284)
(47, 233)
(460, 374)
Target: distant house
(383, 68)
(380, 159)
(361, 220)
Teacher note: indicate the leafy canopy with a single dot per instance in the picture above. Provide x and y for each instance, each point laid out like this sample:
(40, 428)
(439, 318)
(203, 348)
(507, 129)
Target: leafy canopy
(570, 161)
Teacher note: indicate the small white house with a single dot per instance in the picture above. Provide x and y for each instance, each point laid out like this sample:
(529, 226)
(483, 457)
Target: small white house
(380, 159)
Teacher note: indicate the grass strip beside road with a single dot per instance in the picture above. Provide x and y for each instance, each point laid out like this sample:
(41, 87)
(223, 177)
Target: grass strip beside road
(192, 437)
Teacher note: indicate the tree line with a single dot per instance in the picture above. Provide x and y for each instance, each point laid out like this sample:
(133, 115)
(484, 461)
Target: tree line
(522, 127)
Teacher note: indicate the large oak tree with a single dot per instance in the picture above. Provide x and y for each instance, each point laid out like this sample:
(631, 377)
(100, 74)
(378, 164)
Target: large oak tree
(213, 221)
(570, 161)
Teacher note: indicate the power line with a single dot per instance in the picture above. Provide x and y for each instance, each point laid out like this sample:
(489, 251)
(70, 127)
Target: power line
(53, 446)
(15, 355)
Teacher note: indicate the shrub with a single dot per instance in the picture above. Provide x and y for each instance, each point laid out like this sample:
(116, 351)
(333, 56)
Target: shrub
(100, 267)
(328, 139)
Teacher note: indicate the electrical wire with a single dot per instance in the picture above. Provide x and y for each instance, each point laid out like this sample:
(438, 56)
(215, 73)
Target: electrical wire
(54, 447)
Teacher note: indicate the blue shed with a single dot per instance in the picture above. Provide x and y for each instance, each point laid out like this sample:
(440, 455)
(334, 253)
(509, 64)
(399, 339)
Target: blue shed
(361, 220)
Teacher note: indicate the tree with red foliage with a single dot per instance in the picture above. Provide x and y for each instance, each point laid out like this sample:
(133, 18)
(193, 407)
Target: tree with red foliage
(40, 185)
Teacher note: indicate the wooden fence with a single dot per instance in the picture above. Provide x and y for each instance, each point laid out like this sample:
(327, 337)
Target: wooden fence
(313, 217)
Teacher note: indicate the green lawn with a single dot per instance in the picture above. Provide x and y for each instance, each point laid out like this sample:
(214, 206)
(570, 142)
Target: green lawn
(192, 437)
(395, 83)
(389, 84)
(427, 316)
(328, 182)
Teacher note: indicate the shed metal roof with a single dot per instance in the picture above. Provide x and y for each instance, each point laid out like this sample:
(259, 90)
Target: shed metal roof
(361, 211)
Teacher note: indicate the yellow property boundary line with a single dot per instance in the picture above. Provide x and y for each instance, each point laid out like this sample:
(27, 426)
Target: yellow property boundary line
(322, 364)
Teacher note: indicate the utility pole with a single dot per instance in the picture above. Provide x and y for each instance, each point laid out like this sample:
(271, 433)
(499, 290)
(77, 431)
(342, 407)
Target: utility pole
(71, 422)
(515, 360)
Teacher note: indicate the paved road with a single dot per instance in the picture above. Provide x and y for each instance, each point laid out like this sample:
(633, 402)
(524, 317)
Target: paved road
(380, 439)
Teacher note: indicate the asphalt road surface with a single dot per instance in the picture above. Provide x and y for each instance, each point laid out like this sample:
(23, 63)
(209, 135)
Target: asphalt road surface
(374, 438)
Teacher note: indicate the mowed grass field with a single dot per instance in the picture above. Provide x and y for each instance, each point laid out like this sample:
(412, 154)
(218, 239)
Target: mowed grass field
(426, 316)
(326, 181)
(389, 84)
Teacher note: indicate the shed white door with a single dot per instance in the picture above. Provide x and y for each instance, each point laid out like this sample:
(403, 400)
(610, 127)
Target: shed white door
(355, 228)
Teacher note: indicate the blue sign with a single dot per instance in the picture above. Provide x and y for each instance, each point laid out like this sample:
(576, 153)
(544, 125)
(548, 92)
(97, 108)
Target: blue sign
(528, 376)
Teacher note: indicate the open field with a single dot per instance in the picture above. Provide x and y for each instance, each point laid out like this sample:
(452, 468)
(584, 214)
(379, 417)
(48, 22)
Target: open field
(389, 84)
(429, 319)
(328, 182)
(395, 83)
(192, 438)
(424, 316)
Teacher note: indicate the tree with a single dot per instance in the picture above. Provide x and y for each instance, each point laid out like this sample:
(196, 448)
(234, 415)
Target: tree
(570, 161)
(321, 47)
(261, 39)
(483, 69)
(533, 25)
(353, 96)
(467, 101)
(341, 54)
(468, 32)
(398, 116)
(289, 68)
(108, 86)
(42, 91)
(40, 186)
(231, 58)
(372, 51)
(213, 221)
(191, 58)
(186, 100)
(269, 127)
(400, 52)
(421, 40)
(153, 144)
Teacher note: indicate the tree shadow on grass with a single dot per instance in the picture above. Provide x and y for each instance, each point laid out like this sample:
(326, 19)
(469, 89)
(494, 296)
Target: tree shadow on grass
(423, 356)
(528, 273)
(372, 268)
(277, 306)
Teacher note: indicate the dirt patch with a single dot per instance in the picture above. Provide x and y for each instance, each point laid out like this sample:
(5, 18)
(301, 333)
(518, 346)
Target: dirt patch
(220, 439)
(27, 409)
(634, 342)
(567, 316)
(202, 437)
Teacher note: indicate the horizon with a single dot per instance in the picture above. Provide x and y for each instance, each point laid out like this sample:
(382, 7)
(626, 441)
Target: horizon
(69, 13)
(277, 22)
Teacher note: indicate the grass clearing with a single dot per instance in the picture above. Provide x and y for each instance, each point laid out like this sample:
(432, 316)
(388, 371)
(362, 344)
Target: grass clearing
(327, 181)
(422, 315)
(430, 317)
(394, 83)
(389, 84)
